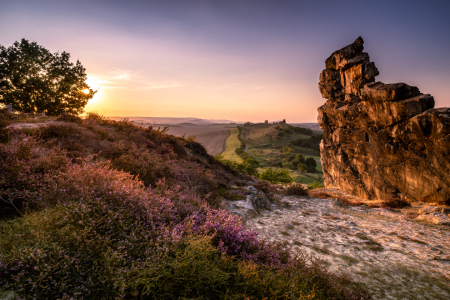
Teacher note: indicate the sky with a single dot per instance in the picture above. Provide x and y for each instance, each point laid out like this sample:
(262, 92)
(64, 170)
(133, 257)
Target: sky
(240, 60)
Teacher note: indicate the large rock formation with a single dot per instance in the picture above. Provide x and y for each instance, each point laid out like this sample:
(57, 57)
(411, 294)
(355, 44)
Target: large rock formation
(381, 141)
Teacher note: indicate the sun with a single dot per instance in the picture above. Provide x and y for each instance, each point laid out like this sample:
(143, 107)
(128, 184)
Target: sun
(86, 91)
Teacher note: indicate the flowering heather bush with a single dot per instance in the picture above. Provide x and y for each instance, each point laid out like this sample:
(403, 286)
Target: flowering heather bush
(296, 190)
(26, 169)
(229, 236)
(109, 210)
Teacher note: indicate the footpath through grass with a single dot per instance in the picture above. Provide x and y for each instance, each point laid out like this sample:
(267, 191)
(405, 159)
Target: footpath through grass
(231, 144)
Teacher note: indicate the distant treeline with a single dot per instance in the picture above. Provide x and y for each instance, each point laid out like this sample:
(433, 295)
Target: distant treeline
(313, 142)
(301, 130)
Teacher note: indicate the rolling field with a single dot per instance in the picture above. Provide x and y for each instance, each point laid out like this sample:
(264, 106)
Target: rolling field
(231, 144)
(212, 137)
(214, 141)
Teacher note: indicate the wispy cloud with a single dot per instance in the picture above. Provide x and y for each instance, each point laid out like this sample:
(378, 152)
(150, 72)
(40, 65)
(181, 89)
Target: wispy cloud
(224, 87)
(125, 79)
(259, 87)
(152, 86)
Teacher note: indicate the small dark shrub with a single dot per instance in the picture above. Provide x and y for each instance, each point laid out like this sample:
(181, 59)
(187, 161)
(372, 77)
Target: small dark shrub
(395, 203)
(296, 190)
(69, 118)
(348, 201)
(319, 194)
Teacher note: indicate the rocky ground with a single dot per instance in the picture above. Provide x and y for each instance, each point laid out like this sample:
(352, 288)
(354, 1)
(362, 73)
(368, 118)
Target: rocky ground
(398, 254)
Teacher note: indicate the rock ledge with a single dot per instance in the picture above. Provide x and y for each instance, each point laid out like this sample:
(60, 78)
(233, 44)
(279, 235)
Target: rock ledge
(381, 141)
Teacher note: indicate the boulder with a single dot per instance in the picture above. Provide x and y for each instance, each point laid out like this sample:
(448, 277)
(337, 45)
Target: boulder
(251, 207)
(381, 141)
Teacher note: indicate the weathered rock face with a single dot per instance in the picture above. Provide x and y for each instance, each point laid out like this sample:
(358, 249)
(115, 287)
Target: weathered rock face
(381, 141)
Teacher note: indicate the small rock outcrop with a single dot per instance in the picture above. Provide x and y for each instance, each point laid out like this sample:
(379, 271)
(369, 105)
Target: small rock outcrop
(381, 141)
(251, 207)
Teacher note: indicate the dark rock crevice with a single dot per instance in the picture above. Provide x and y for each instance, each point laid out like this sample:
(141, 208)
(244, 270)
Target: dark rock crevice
(381, 140)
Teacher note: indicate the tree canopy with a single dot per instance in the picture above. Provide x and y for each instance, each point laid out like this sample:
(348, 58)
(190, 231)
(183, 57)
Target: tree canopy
(33, 79)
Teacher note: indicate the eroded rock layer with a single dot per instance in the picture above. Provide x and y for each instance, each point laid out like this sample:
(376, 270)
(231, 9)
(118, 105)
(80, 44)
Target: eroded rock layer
(381, 141)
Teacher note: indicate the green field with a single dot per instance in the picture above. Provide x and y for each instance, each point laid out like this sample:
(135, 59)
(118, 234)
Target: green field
(231, 144)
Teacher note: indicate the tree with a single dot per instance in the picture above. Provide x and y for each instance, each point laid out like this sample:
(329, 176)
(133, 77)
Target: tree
(299, 159)
(311, 162)
(311, 165)
(33, 79)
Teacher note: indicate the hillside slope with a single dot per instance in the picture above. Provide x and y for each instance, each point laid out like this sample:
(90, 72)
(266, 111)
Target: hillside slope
(100, 209)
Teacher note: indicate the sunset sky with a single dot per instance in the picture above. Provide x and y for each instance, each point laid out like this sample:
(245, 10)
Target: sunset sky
(239, 60)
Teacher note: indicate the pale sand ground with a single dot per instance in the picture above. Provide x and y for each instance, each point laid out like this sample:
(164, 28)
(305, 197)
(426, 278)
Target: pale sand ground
(395, 257)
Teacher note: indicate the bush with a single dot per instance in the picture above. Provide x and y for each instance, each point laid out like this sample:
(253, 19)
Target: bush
(311, 162)
(296, 190)
(302, 167)
(27, 170)
(349, 201)
(270, 190)
(276, 176)
(69, 118)
(248, 167)
(315, 185)
(287, 165)
(299, 159)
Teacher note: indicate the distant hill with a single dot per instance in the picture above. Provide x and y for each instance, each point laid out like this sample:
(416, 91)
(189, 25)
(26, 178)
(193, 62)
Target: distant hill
(313, 126)
(174, 121)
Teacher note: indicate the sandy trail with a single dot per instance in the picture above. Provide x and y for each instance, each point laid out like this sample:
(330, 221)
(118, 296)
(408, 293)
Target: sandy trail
(397, 258)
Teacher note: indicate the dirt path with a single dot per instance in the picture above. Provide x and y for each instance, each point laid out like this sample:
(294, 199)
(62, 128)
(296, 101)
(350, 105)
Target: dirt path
(397, 258)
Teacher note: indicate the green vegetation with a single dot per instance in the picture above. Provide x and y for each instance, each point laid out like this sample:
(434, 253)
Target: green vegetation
(274, 175)
(315, 185)
(249, 166)
(98, 209)
(276, 146)
(33, 79)
(231, 144)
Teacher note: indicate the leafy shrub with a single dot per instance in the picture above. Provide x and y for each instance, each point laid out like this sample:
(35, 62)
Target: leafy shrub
(315, 185)
(299, 158)
(395, 203)
(248, 167)
(302, 167)
(296, 190)
(276, 176)
(287, 164)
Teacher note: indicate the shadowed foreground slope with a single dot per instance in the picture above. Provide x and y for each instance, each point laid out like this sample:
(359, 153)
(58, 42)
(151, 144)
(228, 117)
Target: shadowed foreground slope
(98, 209)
